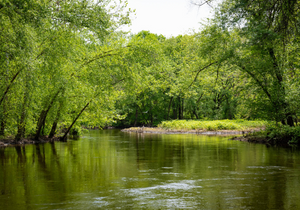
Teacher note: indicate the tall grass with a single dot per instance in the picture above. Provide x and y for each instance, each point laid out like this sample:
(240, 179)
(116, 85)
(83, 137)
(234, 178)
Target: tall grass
(211, 125)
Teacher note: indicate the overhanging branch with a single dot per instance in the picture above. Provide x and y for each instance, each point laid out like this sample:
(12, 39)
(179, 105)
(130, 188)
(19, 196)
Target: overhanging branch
(198, 72)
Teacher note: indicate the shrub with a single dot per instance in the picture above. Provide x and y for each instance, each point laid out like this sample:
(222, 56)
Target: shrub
(283, 133)
(75, 131)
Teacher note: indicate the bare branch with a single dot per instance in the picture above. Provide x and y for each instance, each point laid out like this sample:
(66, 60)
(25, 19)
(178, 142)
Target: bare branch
(201, 3)
(198, 72)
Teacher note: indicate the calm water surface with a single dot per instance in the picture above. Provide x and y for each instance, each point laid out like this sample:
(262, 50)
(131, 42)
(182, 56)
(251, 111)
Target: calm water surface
(114, 170)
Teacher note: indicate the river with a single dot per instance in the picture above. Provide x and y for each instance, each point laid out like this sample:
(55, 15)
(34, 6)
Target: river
(110, 169)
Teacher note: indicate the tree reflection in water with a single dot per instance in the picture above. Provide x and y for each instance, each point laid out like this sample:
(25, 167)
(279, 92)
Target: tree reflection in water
(109, 169)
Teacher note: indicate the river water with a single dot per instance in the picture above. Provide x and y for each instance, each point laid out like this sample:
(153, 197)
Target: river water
(114, 170)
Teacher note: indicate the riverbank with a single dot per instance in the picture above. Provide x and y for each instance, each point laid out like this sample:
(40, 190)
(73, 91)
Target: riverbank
(10, 141)
(156, 130)
(251, 136)
(213, 125)
(256, 138)
(205, 127)
(257, 135)
(247, 131)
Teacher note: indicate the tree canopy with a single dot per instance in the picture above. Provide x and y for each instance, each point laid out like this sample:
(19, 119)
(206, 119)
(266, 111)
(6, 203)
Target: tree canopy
(66, 64)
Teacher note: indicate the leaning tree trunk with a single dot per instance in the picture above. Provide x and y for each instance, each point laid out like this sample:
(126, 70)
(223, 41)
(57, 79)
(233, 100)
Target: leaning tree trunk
(54, 125)
(43, 116)
(64, 137)
(9, 86)
(53, 129)
(195, 113)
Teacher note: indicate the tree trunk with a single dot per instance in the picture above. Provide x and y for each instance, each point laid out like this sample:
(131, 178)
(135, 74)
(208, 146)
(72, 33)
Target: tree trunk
(9, 86)
(53, 129)
(195, 107)
(290, 120)
(195, 113)
(54, 125)
(2, 127)
(179, 108)
(136, 115)
(175, 112)
(41, 122)
(64, 138)
(170, 103)
(43, 116)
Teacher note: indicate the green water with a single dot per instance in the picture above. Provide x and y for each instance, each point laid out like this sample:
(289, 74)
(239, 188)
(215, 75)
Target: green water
(114, 170)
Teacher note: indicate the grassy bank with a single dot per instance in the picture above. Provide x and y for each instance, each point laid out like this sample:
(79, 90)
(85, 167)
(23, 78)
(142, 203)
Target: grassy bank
(212, 125)
(265, 132)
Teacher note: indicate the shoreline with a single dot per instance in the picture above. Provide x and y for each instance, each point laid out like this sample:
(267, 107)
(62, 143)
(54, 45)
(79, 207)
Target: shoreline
(198, 132)
(244, 135)
(10, 142)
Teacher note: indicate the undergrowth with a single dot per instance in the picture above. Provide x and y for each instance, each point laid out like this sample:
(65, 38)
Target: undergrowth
(283, 134)
(211, 125)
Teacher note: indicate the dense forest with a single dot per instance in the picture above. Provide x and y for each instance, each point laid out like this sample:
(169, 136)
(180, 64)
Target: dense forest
(67, 64)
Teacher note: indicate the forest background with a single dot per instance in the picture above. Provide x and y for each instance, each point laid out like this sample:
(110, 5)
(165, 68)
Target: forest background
(67, 64)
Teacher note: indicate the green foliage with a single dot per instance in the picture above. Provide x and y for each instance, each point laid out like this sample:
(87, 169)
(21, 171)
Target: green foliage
(66, 64)
(212, 125)
(49, 67)
(76, 130)
(283, 133)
